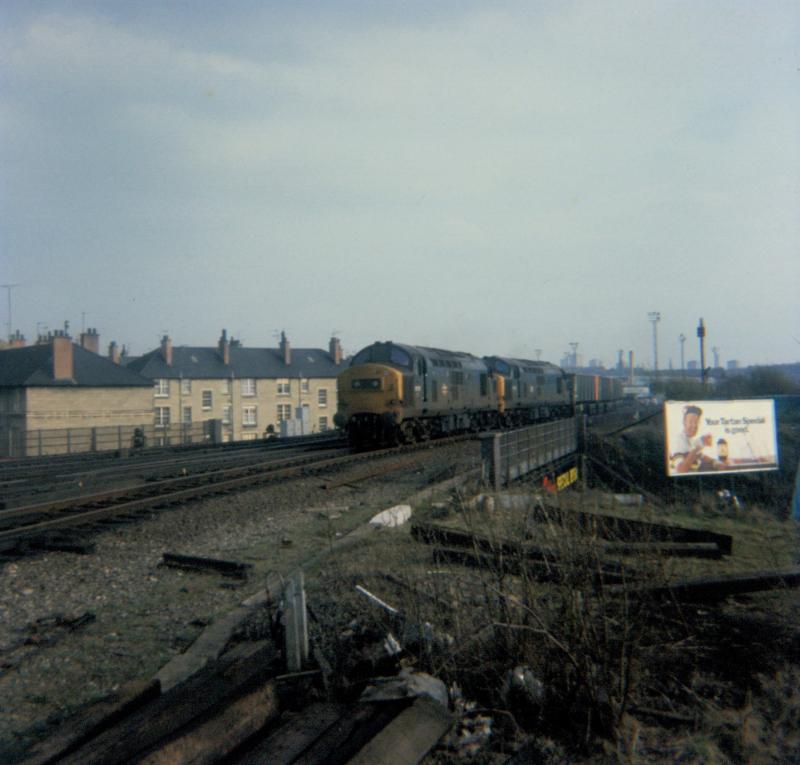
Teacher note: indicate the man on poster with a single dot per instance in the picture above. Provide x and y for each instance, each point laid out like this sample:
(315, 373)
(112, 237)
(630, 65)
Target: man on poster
(688, 446)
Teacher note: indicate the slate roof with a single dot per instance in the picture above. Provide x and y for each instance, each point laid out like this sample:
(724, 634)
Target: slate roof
(33, 367)
(259, 363)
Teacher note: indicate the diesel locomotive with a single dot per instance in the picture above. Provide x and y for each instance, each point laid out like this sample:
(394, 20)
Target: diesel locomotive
(395, 393)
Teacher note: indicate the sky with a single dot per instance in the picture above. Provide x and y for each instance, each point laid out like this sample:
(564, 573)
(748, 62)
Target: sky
(498, 178)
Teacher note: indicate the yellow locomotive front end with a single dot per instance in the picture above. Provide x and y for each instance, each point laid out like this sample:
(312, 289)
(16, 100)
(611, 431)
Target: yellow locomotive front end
(370, 402)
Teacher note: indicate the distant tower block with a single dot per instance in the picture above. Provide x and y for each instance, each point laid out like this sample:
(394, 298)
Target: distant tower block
(574, 354)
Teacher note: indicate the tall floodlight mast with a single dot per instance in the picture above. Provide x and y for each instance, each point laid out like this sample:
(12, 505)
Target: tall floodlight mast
(655, 317)
(701, 334)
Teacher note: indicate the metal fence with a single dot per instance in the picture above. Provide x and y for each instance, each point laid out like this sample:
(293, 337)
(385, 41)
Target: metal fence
(38, 443)
(508, 456)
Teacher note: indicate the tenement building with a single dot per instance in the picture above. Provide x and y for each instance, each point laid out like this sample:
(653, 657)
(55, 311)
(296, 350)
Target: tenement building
(251, 391)
(57, 396)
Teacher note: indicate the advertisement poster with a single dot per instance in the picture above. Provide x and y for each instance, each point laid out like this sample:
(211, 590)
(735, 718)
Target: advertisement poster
(720, 436)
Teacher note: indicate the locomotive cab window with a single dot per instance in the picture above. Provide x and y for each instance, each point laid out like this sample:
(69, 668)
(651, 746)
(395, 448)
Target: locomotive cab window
(378, 354)
(366, 383)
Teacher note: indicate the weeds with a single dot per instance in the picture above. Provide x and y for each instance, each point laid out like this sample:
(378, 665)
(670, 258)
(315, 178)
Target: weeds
(558, 644)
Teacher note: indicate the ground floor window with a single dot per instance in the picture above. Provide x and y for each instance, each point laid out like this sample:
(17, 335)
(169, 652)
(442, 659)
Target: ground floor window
(249, 416)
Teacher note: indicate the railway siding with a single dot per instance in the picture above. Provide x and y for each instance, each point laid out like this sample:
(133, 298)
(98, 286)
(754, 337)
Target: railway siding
(147, 614)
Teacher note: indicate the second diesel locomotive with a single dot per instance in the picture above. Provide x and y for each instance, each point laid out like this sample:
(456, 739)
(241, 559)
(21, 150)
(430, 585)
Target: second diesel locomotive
(395, 393)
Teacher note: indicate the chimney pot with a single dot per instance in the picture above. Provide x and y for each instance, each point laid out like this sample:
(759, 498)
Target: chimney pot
(335, 349)
(225, 347)
(286, 350)
(90, 340)
(63, 368)
(166, 349)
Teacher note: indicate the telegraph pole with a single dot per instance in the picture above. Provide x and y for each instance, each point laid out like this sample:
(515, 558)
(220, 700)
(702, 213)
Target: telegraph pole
(655, 317)
(8, 288)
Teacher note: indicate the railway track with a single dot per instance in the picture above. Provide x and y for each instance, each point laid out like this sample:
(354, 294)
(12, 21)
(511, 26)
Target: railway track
(24, 468)
(29, 525)
(53, 481)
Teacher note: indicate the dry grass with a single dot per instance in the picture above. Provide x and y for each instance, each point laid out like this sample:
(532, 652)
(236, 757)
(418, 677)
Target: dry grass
(623, 679)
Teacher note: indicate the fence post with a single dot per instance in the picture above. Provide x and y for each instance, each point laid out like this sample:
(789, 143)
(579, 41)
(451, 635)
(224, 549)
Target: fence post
(296, 635)
(94, 440)
(490, 458)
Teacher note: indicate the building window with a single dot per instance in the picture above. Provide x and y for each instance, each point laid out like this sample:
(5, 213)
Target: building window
(187, 415)
(162, 388)
(226, 414)
(323, 424)
(283, 387)
(304, 386)
(248, 386)
(249, 416)
(322, 397)
(226, 387)
(186, 387)
(284, 412)
(207, 399)
(162, 416)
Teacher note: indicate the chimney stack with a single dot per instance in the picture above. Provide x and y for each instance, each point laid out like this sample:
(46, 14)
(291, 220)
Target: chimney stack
(17, 340)
(166, 349)
(62, 357)
(113, 352)
(286, 350)
(225, 348)
(90, 340)
(335, 349)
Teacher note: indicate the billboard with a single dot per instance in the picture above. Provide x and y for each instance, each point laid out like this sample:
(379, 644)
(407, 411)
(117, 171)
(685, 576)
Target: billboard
(720, 436)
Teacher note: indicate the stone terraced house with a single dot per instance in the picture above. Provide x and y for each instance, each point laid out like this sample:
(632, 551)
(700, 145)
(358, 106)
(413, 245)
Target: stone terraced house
(57, 396)
(251, 391)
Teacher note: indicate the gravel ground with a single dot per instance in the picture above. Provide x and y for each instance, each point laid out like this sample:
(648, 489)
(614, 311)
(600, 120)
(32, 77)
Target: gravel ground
(145, 614)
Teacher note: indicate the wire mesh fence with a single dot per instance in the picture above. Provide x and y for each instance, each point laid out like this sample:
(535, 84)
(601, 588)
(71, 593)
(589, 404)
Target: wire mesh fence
(507, 456)
(39, 443)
